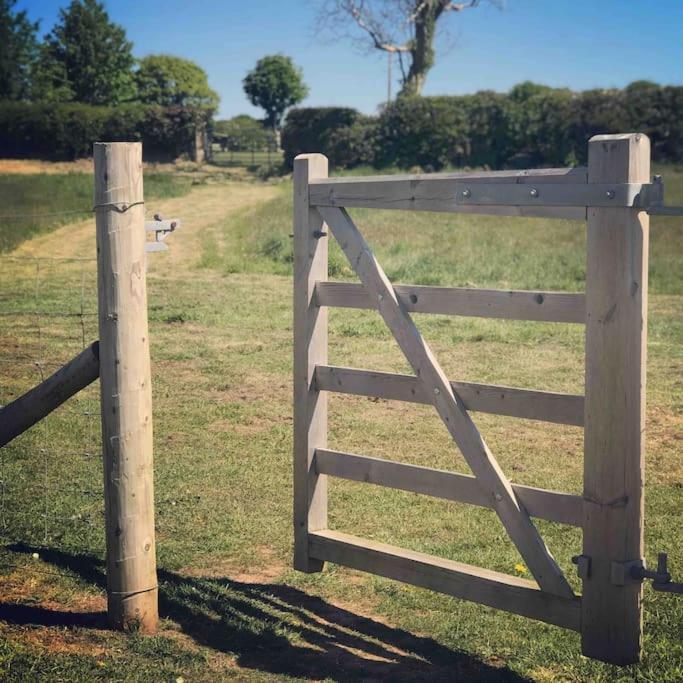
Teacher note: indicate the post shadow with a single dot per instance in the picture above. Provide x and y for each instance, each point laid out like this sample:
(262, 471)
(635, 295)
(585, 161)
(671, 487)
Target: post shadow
(274, 628)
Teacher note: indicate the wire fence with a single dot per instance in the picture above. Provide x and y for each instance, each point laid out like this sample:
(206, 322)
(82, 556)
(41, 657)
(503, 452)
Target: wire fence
(50, 476)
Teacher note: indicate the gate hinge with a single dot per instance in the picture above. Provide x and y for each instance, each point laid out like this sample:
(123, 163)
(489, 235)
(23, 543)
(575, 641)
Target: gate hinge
(635, 571)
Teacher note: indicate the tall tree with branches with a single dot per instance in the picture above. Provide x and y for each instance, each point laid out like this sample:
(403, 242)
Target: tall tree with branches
(18, 51)
(405, 27)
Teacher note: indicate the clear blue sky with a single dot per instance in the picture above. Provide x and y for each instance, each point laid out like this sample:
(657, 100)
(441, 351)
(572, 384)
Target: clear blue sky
(575, 43)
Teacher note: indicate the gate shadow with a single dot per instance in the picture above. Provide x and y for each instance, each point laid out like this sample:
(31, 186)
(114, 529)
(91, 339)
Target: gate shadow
(275, 628)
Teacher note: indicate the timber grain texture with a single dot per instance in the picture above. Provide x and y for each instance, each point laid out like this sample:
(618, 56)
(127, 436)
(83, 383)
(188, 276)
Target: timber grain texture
(560, 307)
(125, 387)
(464, 581)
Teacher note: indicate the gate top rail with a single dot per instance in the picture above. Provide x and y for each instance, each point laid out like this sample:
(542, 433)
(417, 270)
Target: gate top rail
(550, 193)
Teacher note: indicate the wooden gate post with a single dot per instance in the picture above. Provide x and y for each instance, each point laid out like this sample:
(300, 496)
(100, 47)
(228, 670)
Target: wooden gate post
(616, 336)
(310, 349)
(126, 393)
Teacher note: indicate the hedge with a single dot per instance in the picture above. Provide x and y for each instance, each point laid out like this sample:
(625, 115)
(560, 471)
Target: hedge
(313, 129)
(68, 131)
(532, 125)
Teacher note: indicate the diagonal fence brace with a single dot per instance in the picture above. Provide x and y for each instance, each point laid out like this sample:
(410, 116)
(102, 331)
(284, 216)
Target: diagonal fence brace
(451, 409)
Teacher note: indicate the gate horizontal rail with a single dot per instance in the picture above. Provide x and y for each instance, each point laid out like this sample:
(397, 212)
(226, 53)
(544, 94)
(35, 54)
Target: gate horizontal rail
(438, 192)
(553, 307)
(552, 506)
(465, 581)
(530, 404)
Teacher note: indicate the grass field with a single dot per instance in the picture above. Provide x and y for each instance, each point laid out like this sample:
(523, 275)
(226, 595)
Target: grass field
(220, 319)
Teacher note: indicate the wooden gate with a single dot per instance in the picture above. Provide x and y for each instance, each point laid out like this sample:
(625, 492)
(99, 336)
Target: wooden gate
(613, 195)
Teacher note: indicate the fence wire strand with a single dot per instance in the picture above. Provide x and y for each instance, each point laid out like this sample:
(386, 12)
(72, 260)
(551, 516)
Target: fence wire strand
(44, 492)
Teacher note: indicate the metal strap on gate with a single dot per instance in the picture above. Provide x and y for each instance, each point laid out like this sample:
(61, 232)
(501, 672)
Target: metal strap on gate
(646, 196)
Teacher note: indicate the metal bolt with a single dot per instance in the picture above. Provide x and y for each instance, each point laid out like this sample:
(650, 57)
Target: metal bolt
(380, 297)
(610, 194)
(499, 497)
(436, 391)
(466, 194)
(533, 192)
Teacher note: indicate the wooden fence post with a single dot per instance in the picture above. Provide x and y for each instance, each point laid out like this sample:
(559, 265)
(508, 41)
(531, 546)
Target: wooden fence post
(310, 349)
(126, 394)
(616, 336)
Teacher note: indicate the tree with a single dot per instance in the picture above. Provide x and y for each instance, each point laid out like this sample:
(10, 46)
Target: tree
(405, 27)
(275, 84)
(242, 132)
(169, 80)
(86, 58)
(18, 52)
(524, 91)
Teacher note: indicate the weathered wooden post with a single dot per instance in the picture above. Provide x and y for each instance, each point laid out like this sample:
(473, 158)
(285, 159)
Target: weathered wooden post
(616, 336)
(126, 394)
(310, 349)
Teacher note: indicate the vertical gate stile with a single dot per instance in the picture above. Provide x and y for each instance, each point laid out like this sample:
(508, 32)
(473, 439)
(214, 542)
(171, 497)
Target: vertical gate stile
(616, 336)
(310, 349)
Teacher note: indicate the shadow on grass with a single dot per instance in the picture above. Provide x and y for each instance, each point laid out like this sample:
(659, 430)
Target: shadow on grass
(275, 628)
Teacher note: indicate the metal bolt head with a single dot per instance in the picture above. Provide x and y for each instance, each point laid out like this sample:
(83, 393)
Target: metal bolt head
(466, 193)
(498, 497)
(380, 297)
(610, 194)
(533, 192)
(436, 391)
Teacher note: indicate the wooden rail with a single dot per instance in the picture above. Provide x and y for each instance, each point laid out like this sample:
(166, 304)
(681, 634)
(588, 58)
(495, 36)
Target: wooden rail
(487, 587)
(437, 192)
(553, 506)
(554, 307)
(37, 403)
(486, 398)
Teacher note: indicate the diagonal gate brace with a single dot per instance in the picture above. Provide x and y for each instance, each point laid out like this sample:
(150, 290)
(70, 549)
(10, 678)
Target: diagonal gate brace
(448, 404)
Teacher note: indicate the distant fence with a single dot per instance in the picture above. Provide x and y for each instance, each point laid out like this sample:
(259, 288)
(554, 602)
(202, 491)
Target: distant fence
(253, 155)
(49, 314)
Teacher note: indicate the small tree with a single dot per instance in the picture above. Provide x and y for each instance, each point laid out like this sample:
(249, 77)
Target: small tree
(242, 132)
(169, 80)
(86, 57)
(18, 52)
(275, 84)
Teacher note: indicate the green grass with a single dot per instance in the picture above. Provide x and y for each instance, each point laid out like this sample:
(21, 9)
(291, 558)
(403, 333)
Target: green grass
(452, 250)
(220, 325)
(37, 203)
